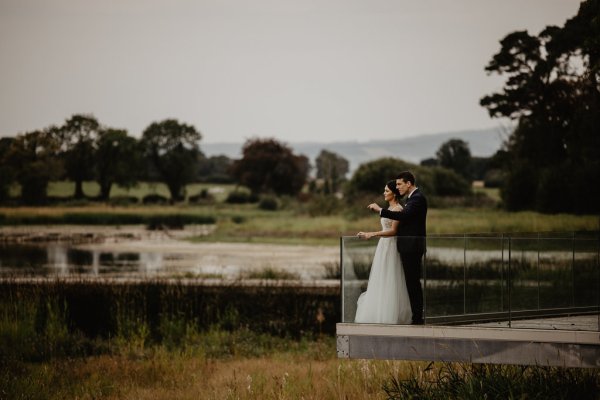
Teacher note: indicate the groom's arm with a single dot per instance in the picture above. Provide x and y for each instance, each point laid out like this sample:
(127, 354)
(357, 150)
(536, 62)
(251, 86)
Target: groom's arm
(412, 208)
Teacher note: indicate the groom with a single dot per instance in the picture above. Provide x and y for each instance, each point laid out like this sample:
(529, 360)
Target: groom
(411, 238)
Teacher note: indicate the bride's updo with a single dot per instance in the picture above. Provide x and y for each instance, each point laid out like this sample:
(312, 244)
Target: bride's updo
(392, 186)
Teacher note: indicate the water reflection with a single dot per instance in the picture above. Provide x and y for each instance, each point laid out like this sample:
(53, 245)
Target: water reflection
(61, 259)
(57, 258)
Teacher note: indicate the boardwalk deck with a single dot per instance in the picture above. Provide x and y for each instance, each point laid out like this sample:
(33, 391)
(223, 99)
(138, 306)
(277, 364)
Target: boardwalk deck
(541, 341)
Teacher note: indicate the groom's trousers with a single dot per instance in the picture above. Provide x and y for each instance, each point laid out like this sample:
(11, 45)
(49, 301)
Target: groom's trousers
(412, 263)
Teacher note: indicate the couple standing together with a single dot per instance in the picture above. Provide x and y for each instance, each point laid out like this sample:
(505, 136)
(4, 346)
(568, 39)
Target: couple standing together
(394, 294)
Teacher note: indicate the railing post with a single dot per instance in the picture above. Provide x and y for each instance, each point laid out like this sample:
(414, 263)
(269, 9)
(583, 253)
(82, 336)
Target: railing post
(509, 282)
(343, 318)
(573, 271)
(502, 274)
(598, 277)
(425, 283)
(465, 273)
(538, 271)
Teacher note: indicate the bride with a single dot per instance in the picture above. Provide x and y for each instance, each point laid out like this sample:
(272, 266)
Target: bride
(386, 299)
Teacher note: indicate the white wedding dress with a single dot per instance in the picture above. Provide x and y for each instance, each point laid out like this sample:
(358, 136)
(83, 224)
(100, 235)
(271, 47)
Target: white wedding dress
(386, 299)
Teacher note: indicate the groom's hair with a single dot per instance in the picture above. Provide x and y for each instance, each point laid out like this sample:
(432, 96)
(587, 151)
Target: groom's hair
(406, 176)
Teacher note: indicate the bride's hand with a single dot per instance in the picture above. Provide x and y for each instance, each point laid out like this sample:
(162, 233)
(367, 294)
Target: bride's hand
(364, 235)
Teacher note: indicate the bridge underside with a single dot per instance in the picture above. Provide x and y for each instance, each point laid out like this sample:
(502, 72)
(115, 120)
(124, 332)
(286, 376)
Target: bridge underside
(537, 342)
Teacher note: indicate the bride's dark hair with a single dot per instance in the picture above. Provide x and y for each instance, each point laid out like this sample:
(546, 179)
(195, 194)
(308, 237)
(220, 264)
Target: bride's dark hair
(392, 186)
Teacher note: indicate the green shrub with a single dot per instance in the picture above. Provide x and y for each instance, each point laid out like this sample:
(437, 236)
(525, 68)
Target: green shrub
(241, 197)
(268, 203)
(324, 205)
(123, 200)
(155, 199)
(201, 198)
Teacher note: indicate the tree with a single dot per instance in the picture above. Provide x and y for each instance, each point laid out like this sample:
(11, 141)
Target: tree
(215, 169)
(270, 166)
(79, 136)
(455, 154)
(172, 148)
(370, 177)
(332, 168)
(118, 160)
(553, 91)
(33, 158)
(7, 173)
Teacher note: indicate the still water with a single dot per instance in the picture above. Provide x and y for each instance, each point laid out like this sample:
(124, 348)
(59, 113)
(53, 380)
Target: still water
(62, 259)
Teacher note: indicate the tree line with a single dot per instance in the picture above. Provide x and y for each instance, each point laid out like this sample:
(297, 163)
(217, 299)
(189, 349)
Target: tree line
(82, 149)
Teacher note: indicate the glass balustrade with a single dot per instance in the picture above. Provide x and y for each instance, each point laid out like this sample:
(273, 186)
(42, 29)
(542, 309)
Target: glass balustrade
(500, 280)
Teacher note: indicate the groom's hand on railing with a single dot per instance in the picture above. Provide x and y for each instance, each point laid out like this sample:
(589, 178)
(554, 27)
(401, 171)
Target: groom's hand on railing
(374, 207)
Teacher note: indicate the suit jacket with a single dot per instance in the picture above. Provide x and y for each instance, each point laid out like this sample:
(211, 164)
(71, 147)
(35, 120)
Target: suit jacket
(412, 228)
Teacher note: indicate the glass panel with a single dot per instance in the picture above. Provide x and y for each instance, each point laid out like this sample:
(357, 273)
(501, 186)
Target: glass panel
(523, 274)
(555, 273)
(484, 275)
(444, 277)
(543, 281)
(357, 256)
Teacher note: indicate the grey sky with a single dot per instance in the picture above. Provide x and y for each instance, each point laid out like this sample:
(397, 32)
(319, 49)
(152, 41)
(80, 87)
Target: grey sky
(325, 70)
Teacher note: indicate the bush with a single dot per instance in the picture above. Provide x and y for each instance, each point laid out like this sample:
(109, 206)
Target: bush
(493, 178)
(123, 200)
(155, 199)
(241, 197)
(324, 205)
(238, 219)
(201, 198)
(448, 183)
(268, 203)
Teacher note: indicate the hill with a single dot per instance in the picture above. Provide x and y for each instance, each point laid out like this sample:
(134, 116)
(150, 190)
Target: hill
(482, 142)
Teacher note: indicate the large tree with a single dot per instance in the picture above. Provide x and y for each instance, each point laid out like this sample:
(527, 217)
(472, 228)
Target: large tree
(118, 160)
(7, 173)
(553, 91)
(455, 154)
(79, 135)
(33, 158)
(172, 148)
(332, 168)
(270, 166)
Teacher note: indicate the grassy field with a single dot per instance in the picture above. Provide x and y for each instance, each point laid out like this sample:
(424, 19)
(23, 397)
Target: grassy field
(296, 222)
(247, 223)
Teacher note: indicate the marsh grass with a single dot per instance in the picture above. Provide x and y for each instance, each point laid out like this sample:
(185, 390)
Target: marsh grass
(486, 381)
(268, 272)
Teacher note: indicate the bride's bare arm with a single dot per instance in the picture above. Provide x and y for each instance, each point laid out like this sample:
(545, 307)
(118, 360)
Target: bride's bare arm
(382, 233)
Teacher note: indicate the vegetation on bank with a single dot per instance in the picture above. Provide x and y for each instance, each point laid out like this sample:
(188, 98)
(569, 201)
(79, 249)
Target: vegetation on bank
(292, 224)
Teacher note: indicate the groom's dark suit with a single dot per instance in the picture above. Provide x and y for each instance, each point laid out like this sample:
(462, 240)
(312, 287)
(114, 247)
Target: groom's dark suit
(411, 245)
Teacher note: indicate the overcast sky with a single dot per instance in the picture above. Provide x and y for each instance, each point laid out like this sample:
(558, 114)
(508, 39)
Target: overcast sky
(323, 70)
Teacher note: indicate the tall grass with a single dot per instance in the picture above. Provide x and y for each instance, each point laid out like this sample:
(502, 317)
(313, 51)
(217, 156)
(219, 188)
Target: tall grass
(69, 318)
(473, 381)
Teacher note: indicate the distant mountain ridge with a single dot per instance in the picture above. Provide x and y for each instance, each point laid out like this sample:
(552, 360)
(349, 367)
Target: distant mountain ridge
(482, 143)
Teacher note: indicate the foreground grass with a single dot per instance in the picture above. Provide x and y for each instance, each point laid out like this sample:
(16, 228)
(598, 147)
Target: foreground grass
(313, 374)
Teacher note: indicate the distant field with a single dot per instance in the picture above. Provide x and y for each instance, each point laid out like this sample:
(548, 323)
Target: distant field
(92, 189)
(247, 223)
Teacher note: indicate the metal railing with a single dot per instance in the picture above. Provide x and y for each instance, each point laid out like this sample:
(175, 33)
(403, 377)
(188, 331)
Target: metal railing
(501, 278)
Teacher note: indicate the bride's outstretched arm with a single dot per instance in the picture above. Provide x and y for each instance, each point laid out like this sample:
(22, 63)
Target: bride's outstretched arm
(386, 233)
